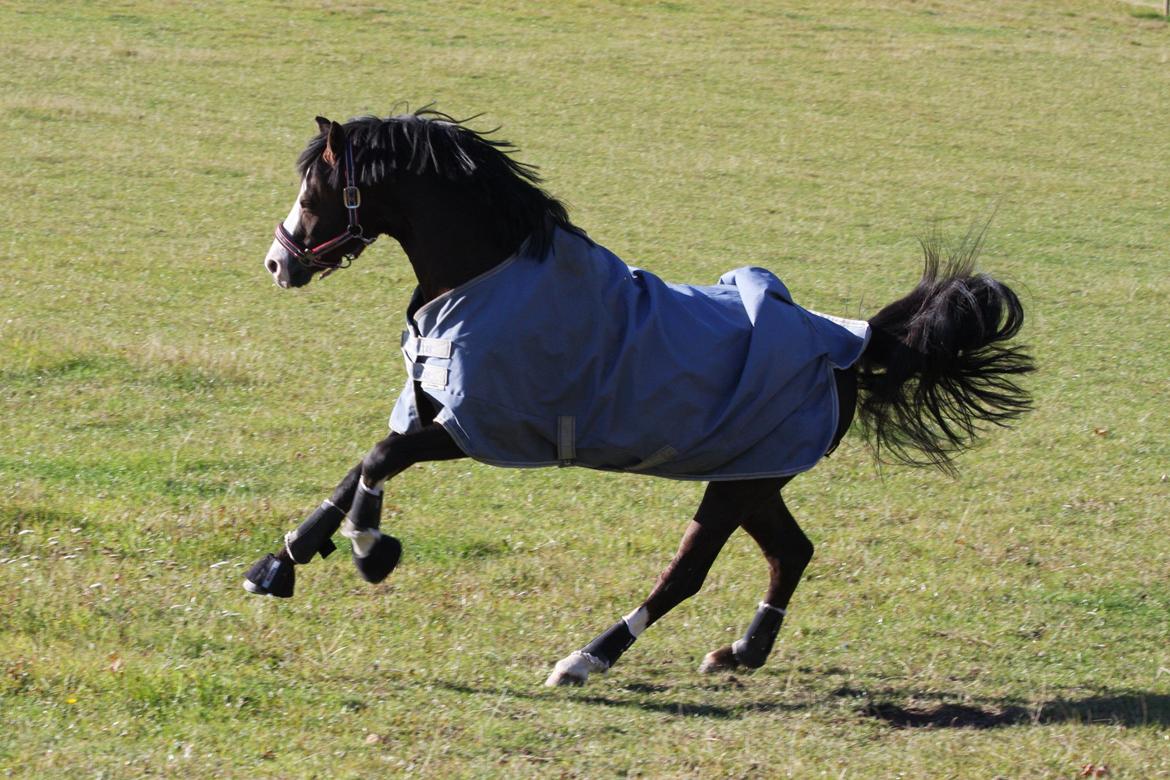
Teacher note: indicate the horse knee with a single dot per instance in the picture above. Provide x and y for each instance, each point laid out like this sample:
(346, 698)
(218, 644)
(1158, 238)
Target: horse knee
(378, 464)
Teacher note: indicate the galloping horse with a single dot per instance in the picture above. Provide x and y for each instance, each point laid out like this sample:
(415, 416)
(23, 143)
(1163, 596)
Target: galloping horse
(528, 344)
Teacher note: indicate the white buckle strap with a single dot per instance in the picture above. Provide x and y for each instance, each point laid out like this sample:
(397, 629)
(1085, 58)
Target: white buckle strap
(415, 347)
(432, 377)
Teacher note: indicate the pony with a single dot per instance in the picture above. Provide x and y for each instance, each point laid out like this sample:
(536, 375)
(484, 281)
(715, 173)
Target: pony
(496, 258)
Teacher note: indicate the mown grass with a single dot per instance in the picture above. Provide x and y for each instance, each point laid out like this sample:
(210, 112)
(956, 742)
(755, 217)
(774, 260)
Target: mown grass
(167, 413)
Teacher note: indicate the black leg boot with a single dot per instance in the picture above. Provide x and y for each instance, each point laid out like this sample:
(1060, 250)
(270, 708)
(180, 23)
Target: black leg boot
(313, 537)
(365, 515)
(753, 649)
(276, 576)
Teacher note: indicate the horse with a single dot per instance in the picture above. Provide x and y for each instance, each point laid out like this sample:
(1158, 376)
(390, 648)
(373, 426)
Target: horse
(501, 371)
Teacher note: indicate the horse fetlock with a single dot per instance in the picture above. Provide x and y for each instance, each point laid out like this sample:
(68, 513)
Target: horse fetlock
(611, 643)
(748, 655)
(271, 576)
(575, 668)
(361, 539)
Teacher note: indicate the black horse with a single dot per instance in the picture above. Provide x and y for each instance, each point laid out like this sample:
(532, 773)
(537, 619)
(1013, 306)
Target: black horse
(932, 370)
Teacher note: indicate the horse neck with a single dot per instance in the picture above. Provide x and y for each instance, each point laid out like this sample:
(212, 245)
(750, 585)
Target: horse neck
(453, 237)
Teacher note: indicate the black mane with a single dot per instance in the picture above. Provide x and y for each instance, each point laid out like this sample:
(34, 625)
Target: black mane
(432, 142)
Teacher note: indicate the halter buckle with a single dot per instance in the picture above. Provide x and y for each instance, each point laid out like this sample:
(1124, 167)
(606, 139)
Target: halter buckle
(352, 197)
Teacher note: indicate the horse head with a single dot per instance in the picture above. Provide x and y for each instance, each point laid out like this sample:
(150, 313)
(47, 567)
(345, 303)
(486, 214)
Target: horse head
(453, 197)
(327, 228)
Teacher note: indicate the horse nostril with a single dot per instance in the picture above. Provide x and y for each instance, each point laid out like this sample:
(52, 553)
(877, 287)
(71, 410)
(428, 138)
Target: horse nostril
(272, 266)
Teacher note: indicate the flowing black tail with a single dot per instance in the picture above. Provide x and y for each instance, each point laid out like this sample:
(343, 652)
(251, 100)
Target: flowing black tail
(938, 368)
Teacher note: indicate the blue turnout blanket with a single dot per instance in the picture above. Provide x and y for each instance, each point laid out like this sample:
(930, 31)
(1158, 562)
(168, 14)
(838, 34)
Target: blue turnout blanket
(575, 358)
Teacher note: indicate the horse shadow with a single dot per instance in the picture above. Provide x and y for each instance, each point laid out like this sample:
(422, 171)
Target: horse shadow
(674, 707)
(898, 708)
(940, 710)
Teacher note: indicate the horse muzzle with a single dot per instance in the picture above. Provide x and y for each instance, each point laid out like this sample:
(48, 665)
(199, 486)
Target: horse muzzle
(286, 271)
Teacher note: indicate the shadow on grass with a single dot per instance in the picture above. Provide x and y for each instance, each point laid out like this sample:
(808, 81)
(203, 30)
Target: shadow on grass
(1125, 709)
(699, 709)
(933, 710)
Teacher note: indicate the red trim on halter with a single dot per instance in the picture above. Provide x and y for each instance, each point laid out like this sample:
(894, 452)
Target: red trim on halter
(310, 256)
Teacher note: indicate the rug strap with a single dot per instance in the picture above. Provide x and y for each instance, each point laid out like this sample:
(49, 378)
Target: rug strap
(566, 440)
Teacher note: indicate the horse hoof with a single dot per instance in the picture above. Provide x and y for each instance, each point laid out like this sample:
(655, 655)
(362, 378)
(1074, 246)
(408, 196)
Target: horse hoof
(558, 678)
(382, 559)
(574, 669)
(721, 660)
(271, 576)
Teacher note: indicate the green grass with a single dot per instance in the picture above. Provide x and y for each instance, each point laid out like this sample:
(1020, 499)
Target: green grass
(167, 413)
(1148, 13)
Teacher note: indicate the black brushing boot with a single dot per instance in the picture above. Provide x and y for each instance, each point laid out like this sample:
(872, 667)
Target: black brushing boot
(366, 515)
(312, 537)
(753, 649)
(609, 646)
(276, 576)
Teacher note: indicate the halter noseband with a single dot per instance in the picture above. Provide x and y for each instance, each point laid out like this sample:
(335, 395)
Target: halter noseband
(311, 257)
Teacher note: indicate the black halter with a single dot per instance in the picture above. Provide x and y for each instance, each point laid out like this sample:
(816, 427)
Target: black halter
(311, 257)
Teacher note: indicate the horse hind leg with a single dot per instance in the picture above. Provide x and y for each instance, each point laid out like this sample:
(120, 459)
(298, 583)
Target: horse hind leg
(723, 505)
(680, 580)
(787, 551)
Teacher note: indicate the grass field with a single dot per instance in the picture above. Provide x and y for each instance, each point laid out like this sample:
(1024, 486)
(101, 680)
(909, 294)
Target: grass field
(167, 413)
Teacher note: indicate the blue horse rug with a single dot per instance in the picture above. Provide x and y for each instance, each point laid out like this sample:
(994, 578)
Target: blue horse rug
(575, 358)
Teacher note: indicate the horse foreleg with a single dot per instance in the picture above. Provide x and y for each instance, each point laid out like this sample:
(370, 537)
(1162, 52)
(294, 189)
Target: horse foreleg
(376, 554)
(724, 504)
(274, 575)
(314, 536)
(787, 551)
(359, 495)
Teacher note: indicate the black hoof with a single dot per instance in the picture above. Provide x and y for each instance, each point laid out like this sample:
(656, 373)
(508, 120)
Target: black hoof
(377, 566)
(271, 576)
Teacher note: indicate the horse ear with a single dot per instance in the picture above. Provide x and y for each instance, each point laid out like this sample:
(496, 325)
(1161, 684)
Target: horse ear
(323, 124)
(334, 143)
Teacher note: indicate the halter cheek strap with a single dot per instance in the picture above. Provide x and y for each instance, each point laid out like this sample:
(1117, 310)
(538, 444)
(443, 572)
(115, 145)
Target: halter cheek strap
(351, 197)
